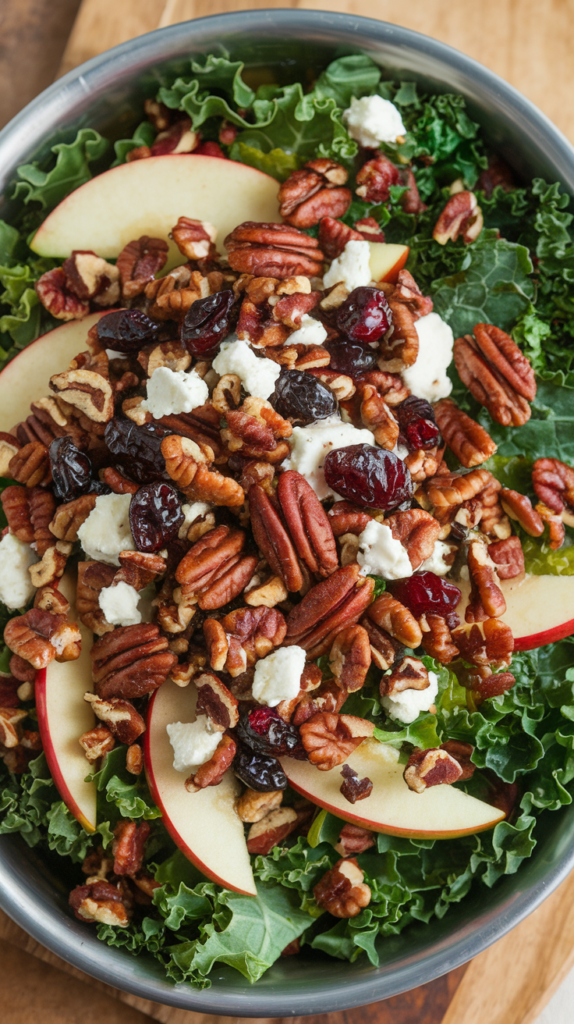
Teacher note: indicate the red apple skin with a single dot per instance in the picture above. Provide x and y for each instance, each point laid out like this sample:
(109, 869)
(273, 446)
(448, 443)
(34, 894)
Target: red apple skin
(205, 870)
(53, 764)
(391, 276)
(528, 643)
(542, 598)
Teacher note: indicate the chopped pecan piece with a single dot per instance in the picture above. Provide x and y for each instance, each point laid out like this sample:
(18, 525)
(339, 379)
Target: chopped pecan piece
(139, 262)
(212, 772)
(347, 518)
(39, 636)
(17, 511)
(400, 348)
(354, 840)
(435, 767)
(267, 594)
(96, 742)
(384, 648)
(350, 658)
(496, 373)
(10, 719)
(273, 250)
(116, 482)
(134, 759)
(268, 832)
(9, 445)
(375, 179)
(57, 297)
(342, 386)
(173, 295)
(194, 238)
(461, 216)
(486, 598)
(216, 701)
(553, 482)
(86, 391)
(342, 891)
(338, 601)
(31, 465)
(377, 416)
(462, 753)
(489, 642)
(256, 431)
(139, 568)
(42, 505)
(188, 466)
(334, 235)
(69, 517)
(243, 636)
(101, 902)
(408, 674)
(314, 192)
(128, 846)
(124, 722)
(326, 697)
(131, 661)
(252, 806)
(465, 437)
(50, 599)
(437, 640)
(93, 577)
(519, 507)
(556, 528)
(508, 557)
(417, 531)
(329, 738)
(392, 616)
(353, 788)
(52, 564)
(170, 354)
(92, 278)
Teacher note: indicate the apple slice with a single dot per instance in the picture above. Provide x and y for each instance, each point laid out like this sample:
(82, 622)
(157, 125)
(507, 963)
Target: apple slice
(147, 197)
(386, 260)
(539, 609)
(205, 825)
(26, 377)
(63, 715)
(442, 812)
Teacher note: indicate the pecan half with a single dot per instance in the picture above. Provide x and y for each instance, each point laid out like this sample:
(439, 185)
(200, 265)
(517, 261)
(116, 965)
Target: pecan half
(350, 658)
(101, 902)
(407, 292)
(519, 507)
(86, 391)
(377, 416)
(69, 517)
(556, 528)
(273, 250)
(269, 831)
(329, 739)
(273, 539)
(124, 722)
(129, 846)
(375, 179)
(553, 482)
(131, 661)
(188, 466)
(400, 348)
(212, 772)
(31, 465)
(337, 601)
(508, 557)
(139, 568)
(347, 518)
(93, 577)
(392, 616)
(252, 806)
(417, 531)
(465, 437)
(426, 768)
(17, 511)
(39, 636)
(342, 891)
(437, 640)
(57, 297)
(496, 373)
(462, 753)
(486, 598)
(308, 523)
(314, 192)
(139, 262)
(485, 643)
(407, 674)
(461, 216)
(243, 636)
(213, 571)
(96, 743)
(334, 235)
(354, 839)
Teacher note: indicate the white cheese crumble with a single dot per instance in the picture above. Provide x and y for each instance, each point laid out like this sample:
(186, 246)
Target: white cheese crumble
(196, 510)
(278, 676)
(427, 377)
(120, 605)
(310, 446)
(311, 332)
(258, 375)
(407, 705)
(170, 392)
(436, 561)
(193, 743)
(16, 557)
(352, 267)
(106, 531)
(372, 120)
(381, 554)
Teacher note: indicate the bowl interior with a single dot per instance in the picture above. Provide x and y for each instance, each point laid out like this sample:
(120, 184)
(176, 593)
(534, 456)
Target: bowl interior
(107, 94)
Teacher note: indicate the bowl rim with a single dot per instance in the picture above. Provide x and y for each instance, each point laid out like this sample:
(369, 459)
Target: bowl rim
(19, 901)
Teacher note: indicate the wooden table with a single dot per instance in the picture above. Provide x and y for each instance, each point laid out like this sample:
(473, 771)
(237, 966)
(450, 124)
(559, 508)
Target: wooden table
(528, 42)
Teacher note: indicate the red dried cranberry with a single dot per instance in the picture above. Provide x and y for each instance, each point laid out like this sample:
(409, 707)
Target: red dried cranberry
(353, 788)
(426, 592)
(71, 469)
(301, 397)
(126, 330)
(208, 322)
(259, 771)
(350, 359)
(155, 516)
(264, 730)
(418, 425)
(138, 449)
(365, 315)
(368, 476)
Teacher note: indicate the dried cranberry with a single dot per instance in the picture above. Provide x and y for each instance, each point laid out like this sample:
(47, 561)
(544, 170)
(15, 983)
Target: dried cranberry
(353, 788)
(418, 425)
(302, 398)
(365, 315)
(71, 469)
(368, 476)
(426, 592)
(208, 322)
(138, 449)
(264, 730)
(350, 359)
(126, 330)
(155, 516)
(259, 771)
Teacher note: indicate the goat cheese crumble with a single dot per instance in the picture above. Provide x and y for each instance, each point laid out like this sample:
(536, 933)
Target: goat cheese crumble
(406, 706)
(196, 510)
(352, 267)
(427, 377)
(311, 332)
(119, 604)
(278, 676)
(436, 561)
(106, 531)
(257, 374)
(381, 554)
(16, 557)
(170, 392)
(310, 446)
(193, 743)
(372, 120)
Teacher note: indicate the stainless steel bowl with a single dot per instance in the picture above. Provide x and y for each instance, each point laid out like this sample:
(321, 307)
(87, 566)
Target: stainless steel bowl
(106, 93)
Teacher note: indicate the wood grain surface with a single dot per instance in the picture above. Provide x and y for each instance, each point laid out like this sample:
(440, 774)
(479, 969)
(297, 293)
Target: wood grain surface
(527, 42)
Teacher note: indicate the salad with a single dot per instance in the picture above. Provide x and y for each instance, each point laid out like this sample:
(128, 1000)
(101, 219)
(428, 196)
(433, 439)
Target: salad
(286, 567)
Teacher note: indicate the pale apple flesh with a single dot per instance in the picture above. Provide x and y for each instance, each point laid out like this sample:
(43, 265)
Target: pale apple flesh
(147, 197)
(25, 379)
(204, 825)
(442, 812)
(386, 260)
(539, 609)
(63, 716)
